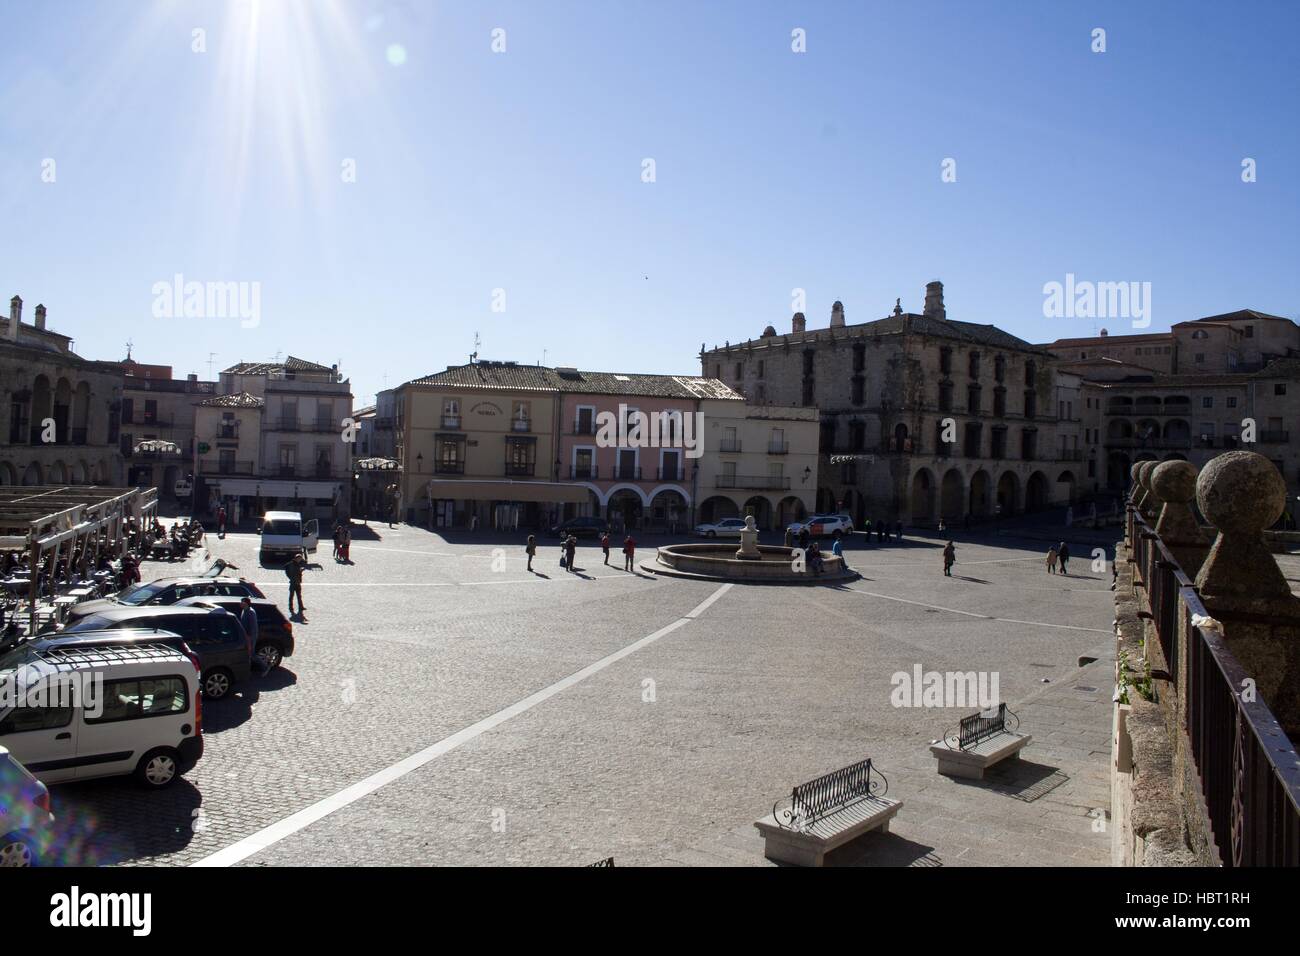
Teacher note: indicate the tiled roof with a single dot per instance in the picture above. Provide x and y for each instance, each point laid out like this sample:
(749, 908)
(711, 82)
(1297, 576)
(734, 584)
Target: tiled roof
(1240, 315)
(238, 400)
(540, 378)
(262, 368)
(1111, 340)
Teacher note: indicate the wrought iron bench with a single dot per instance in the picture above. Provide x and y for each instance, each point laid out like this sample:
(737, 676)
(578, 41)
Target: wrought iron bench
(826, 813)
(982, 740)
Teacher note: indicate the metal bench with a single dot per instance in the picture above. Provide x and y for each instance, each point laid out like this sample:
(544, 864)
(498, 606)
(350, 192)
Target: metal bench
(982, 740)
(826, 813)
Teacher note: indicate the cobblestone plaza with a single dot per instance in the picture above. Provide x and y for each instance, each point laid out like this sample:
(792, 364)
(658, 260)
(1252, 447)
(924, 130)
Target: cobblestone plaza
(445, 706)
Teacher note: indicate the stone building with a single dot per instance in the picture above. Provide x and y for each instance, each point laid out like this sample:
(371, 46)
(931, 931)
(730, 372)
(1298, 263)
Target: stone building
(62, 409)
(158, 412)
(499, 441)
(1204, 387)
(925, 416)
(275, 437)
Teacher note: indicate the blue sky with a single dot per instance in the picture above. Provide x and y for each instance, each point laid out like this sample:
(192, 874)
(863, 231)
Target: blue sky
(522, 170)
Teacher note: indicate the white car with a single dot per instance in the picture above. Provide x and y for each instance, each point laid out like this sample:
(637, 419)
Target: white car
(819, 525)
(128, 707)
(25, 817)
(285, 534)
(725, 527)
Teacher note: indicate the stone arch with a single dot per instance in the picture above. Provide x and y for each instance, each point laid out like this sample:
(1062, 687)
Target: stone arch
(33, 474)
(716, 508)
(952, 496)
(1174, 456)
(63, 411)
(1008, 500)
(761, 508)
(81, 473)
(922, 498)
(102, 472)
(58, 473)
(1067, 483)
(980, 496)
(1037, 494)
(1119, 429)
(8, 476)
(789, 510)
(81, 414)
(626, 507)
(42, 402)
(1178, 430)
(1146, 429)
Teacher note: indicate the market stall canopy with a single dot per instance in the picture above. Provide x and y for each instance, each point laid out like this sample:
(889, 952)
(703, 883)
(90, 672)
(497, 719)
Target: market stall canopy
(156, 446)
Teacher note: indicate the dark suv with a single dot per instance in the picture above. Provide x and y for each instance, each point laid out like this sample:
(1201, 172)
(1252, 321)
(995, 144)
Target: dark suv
(166, 591)
(580, 528)
(214, 635)
(274, 630)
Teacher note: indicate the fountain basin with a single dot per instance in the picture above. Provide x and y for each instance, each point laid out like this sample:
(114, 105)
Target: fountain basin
(718, 562)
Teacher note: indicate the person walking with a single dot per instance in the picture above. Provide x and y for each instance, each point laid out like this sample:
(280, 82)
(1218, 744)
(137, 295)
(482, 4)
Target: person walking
(1063, 554)
(949, 558)
(221, 521)
(570, 550)
(803, 537)
(604, 544)
(1052, 554)
(898, 530)
(294, 571)
(248, 620)
(338, 539)
(345, 543)
(530, 549)
(789, 538)
(629, 552)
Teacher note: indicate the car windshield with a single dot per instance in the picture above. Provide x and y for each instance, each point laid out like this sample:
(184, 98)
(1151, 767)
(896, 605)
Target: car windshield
(142, 593)
(282, 526)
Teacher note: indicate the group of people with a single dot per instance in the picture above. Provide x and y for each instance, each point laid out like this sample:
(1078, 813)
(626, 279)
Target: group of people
(1058, 553)
(569, 551)
(343, 542)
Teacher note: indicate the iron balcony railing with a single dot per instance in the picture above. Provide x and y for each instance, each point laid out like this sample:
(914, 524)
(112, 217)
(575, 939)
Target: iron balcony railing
(672, 474)
(589, 473)
(449, 468)
(451, 421)
(778, 448)
(731, 445)
(214, 466)
(1246, 764)
(517, 469)
(768, 482)
(622, 473)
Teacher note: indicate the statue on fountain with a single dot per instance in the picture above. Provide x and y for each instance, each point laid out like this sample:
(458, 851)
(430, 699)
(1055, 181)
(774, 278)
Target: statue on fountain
(749, 542)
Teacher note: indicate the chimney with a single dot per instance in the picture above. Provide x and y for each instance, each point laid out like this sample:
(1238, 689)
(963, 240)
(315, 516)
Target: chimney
(799, 323)
(40, 316)
(15, 317)
(934, 300)
(837, 315)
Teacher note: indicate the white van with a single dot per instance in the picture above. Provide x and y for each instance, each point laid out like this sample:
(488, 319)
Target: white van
(285, 534)
(134, 709)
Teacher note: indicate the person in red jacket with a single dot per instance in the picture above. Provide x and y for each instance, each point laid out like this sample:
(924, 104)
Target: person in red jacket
(629, 552)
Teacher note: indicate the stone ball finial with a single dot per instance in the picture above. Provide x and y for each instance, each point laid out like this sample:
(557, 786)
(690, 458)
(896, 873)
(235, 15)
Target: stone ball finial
(1174, 481)
(1133, 472)
(1241, 492)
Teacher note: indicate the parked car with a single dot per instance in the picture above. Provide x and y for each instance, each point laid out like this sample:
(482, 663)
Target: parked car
(25, 818)
(580, 528)
(274, 630)
(213, 634)
(165, 591)
(145, 718)
(819, 525)
(726, 527)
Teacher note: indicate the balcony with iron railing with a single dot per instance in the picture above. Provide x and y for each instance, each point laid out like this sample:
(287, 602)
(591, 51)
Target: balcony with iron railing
(451, 422)
(729, 445)
(778, 448)
(221, 466)
(520, 425)
(449, 468)
(626, 473)
(520, 469)
(753, 482)
(587, 473)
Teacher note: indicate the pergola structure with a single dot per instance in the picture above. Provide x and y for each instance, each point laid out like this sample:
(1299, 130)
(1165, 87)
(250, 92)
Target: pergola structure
(44, 520)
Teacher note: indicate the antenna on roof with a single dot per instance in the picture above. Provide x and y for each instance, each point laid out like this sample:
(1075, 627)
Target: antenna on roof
(211, 356)
(474, 354)
(128, 350)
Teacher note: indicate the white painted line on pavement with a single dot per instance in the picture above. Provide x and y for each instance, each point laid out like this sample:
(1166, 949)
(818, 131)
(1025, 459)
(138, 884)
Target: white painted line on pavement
(568, 578)
(984, 617)
(291, 824)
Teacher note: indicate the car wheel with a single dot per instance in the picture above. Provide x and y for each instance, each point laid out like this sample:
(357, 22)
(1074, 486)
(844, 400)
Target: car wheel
(217, 683)
(269, 655)
(158, 768)
(17, 850)
(712, 534)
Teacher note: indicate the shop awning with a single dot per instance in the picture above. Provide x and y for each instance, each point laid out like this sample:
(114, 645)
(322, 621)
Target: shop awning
(548, 491)
(274, 488)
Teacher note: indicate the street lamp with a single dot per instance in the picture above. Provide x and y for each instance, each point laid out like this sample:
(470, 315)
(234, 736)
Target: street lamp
(807, 473)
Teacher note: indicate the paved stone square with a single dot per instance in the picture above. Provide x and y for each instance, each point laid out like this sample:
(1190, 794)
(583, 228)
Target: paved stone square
(445, 706)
